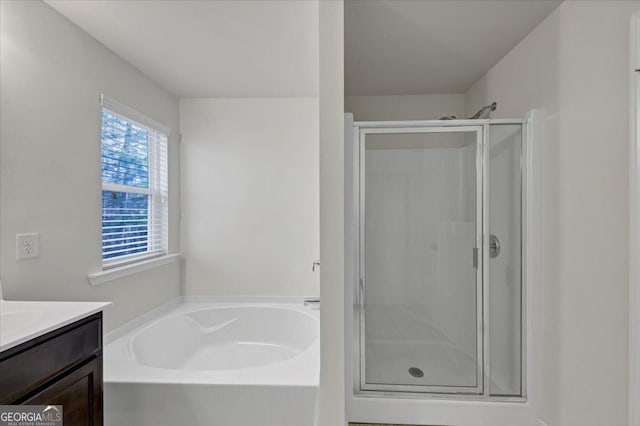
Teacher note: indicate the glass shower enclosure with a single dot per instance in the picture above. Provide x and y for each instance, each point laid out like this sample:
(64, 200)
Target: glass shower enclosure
(438, 291)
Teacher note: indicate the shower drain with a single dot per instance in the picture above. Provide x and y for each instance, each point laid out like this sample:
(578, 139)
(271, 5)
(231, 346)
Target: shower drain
(416, 372)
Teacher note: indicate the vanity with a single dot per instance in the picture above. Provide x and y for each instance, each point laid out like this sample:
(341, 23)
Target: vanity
(51, 354)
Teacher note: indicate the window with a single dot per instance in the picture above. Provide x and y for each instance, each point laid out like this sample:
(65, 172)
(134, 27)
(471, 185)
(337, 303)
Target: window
(134, 185)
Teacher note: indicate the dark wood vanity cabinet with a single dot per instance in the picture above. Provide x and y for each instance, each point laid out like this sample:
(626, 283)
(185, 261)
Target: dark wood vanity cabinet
(63, 367)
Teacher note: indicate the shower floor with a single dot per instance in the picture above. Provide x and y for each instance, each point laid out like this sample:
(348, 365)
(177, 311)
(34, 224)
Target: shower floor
(398, 338)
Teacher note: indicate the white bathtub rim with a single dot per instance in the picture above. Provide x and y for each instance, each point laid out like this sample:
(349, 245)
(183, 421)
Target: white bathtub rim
(242, 299)
(141, 320)
(300, 370)
(172, 304)
(184, 309)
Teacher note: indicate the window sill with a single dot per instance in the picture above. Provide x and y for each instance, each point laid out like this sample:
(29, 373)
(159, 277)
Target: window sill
(96, 278)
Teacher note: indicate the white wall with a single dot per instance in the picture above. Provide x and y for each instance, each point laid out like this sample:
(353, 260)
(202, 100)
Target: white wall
(51, 77)
(332, 242)
(575, 65)
(405, 107)
(250, 202)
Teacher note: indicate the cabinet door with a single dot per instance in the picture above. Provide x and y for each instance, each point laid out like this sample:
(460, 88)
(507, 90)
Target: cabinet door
(80, 394)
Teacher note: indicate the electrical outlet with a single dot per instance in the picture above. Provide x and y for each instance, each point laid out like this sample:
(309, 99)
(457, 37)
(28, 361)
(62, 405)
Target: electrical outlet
(27, 246)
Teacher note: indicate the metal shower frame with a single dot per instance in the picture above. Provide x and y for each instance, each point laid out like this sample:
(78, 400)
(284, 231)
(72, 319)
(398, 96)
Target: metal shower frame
(482, 390)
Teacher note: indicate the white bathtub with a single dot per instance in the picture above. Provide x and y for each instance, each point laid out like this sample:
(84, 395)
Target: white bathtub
(227, 364)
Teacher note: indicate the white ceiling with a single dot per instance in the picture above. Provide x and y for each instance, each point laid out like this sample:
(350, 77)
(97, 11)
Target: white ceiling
(210, 48)
(397, 47)
(236, 48)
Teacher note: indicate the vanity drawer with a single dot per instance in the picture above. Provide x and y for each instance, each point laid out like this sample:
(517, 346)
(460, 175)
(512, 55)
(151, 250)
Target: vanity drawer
(28, 366)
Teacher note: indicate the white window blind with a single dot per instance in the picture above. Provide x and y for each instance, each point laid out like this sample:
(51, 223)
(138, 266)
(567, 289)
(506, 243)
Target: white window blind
(134, 185)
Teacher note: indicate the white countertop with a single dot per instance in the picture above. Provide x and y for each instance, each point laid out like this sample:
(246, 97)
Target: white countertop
(23, 321)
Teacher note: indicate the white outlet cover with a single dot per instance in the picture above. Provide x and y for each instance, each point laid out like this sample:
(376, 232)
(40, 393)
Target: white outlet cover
(27, 246)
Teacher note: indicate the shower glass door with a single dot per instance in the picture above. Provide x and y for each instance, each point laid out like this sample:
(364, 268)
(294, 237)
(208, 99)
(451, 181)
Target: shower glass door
(420, 290)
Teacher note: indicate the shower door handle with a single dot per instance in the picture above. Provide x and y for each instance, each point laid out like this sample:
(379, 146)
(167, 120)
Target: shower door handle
(475, 258)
